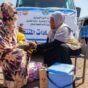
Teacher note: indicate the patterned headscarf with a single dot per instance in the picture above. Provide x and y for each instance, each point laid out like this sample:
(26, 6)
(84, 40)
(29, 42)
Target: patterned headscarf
(9, 23)
(58, 19)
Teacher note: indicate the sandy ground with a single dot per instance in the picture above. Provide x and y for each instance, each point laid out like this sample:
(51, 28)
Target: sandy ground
(79, 69)
(79, 72)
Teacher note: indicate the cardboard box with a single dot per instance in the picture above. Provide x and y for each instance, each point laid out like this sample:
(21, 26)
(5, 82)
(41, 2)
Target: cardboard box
(43, 81)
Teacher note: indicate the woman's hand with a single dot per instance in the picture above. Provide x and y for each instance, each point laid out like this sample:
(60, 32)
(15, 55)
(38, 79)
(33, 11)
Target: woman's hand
(33, 45)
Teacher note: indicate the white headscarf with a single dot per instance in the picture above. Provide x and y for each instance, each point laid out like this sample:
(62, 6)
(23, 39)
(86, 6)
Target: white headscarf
(59, 20)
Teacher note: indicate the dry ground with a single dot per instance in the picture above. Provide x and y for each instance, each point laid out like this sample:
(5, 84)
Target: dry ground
(79, 72)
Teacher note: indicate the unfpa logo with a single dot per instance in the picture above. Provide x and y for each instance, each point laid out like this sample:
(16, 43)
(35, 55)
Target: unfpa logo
(45, 12)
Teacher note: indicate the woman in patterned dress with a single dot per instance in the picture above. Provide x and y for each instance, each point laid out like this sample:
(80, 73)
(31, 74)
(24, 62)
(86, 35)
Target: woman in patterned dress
(14, 60)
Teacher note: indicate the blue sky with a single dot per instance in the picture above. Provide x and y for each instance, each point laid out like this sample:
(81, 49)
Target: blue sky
(80, 3)
(84, 7)
(12, 1)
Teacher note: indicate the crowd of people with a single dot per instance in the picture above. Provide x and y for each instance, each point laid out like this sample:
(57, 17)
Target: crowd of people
(14, 58)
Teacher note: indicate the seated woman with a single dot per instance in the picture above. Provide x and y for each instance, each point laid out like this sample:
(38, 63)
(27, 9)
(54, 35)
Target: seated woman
(14, 60)
(57, 49)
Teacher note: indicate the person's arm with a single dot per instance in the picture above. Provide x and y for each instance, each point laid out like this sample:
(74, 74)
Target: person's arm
(41, 48)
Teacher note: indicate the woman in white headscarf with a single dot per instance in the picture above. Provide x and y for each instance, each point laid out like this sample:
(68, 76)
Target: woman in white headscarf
(58, 30)
(56, 50)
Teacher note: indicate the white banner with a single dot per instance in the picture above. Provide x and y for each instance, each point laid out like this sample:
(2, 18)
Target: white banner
(36, 26)
(36, 22)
